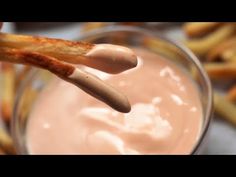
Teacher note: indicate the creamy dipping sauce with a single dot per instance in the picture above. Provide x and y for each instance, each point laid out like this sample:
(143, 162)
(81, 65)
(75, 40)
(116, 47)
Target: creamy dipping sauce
(166, 115)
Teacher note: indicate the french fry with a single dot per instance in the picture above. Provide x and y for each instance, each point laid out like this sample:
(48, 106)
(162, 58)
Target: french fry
(231, 95)
(201, 46)
(85, 81)
(70, 51)
(131, 23)
(196, 29)
(93, 25)
(2, 152)
(217, 51)
(225, 108)
(6, 143)
(232, 59)
(221, 70)
(229, 55)
(8, 92)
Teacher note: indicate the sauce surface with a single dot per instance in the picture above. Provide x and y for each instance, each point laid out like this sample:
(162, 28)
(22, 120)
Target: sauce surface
(166, 115)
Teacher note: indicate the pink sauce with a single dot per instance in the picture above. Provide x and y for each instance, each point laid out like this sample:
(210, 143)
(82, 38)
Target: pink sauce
(166, 115)
(111, 58)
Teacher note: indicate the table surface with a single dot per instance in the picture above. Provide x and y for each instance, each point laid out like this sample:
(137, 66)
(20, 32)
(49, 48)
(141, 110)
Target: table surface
(222, 135)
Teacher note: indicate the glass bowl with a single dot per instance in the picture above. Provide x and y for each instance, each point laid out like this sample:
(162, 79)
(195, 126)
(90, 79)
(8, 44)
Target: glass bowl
(37, 79)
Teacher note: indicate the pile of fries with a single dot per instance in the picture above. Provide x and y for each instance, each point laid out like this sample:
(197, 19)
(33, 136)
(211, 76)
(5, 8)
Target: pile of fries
(215, 44)
(10, 79)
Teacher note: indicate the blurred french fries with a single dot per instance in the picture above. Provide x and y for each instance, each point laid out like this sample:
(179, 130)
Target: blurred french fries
(6, 143)
(201, 46)
(225, 108)
(231, 95)
(93, 25)
(119, 38)
(198, 29)
(218, 70)
(8, 91)
(216, 52)
(229, 55)
(215, 44)
(2, 152)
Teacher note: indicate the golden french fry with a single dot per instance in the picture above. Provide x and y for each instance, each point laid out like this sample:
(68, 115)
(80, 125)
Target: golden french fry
(131, 23)
(85, 81)
(219, 49)
(232, 59)
(2, 152)
(67, 51)
(225, 108)
(6, 143)
(202, 46)
(229, 55)
(119, 38)
(221, 70)
(8, 91)
(196, 29)
(231, 95)
(93, 25)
